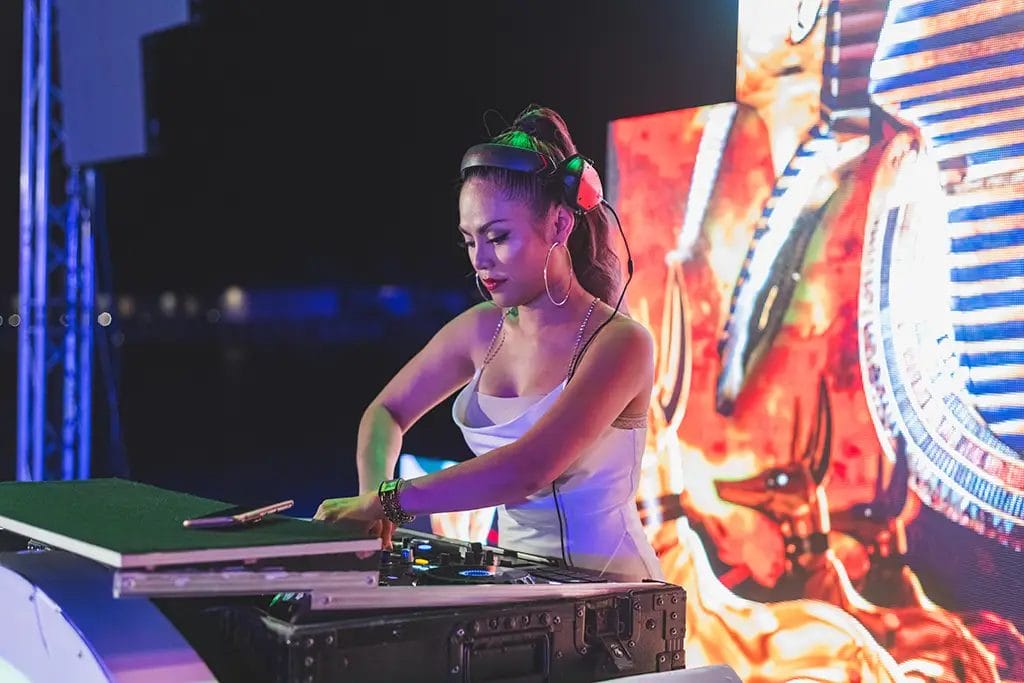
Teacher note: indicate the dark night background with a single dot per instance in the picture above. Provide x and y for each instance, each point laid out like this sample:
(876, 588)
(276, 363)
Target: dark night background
(313, 148)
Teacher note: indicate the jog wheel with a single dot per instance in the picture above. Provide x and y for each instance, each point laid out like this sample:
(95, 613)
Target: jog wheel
(473, 574)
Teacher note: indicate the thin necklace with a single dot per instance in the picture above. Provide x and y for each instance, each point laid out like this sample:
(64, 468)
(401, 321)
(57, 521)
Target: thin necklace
(579, 335)
(493, 348)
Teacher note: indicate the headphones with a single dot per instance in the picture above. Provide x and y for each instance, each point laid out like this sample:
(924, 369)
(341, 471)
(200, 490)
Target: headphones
(580, 183)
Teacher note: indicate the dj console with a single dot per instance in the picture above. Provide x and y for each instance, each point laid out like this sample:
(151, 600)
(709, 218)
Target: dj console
(419, 558)
(447, 611)
(101, 581)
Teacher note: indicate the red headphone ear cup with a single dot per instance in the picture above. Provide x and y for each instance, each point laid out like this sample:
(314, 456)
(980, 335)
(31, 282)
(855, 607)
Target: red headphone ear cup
(590, 192)
(581, 183)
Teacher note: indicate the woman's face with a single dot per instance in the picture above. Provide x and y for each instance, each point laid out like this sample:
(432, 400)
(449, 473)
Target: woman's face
(506, 242)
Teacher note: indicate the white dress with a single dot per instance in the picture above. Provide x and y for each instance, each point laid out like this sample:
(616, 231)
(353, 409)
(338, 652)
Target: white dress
(596, 495)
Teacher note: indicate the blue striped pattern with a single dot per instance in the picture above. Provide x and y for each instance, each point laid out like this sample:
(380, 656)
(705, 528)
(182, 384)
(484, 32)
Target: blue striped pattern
(988, 155)
(909, 11)
(960, 136)
(1008, 207)
(1002, 414)
(938, 73)
(958, 36)
(984, 108)
(1015, 441)
(979, 360)
(996, 240)
(1013, 329)
(968, 112)
(932, 92)
(817, 137)
(997, 386)
(1013, 85)
(980, 302)
(937, 446)
(993, 271)
(1003, 334)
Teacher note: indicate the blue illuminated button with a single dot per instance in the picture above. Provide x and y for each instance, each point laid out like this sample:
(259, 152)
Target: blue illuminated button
(475, 572)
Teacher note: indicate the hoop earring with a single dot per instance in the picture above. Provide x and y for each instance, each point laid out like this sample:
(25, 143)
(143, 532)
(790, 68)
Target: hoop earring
(480, 289)
(547, 288)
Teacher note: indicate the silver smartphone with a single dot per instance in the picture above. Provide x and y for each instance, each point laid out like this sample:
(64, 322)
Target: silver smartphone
(239, 515)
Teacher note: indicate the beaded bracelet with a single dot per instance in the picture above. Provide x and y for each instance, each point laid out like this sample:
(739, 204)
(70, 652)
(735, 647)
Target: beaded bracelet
(388, 493)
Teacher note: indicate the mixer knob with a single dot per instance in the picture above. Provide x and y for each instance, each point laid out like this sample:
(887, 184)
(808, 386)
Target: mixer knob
(407, 555)
(488, 558)
(444, 559)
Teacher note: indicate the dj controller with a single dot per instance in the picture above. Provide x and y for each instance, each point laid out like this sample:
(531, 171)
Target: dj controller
(424, 559)
(446, 610)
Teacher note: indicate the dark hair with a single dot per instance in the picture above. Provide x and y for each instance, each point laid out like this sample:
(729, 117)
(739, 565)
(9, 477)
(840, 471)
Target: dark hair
(594, 260)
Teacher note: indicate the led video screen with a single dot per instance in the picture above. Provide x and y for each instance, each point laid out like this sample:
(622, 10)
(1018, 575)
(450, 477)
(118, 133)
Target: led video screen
(832, 267)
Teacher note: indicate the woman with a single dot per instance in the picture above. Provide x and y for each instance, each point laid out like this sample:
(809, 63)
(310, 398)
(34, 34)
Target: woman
(555, 412)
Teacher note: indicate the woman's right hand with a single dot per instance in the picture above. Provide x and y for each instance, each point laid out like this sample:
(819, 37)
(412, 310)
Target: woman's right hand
(385, 529)
(361, 512)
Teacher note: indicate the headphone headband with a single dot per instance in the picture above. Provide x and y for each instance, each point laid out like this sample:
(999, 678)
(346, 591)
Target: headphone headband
(506, 156)
(580, 181)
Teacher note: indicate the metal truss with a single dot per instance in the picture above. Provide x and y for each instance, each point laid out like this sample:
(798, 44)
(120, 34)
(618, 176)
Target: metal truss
(56, 277)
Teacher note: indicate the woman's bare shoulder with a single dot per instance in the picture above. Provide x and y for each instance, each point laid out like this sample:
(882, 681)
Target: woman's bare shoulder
(479, 318)
(474, 327)
(626, 331)
(616, 343)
